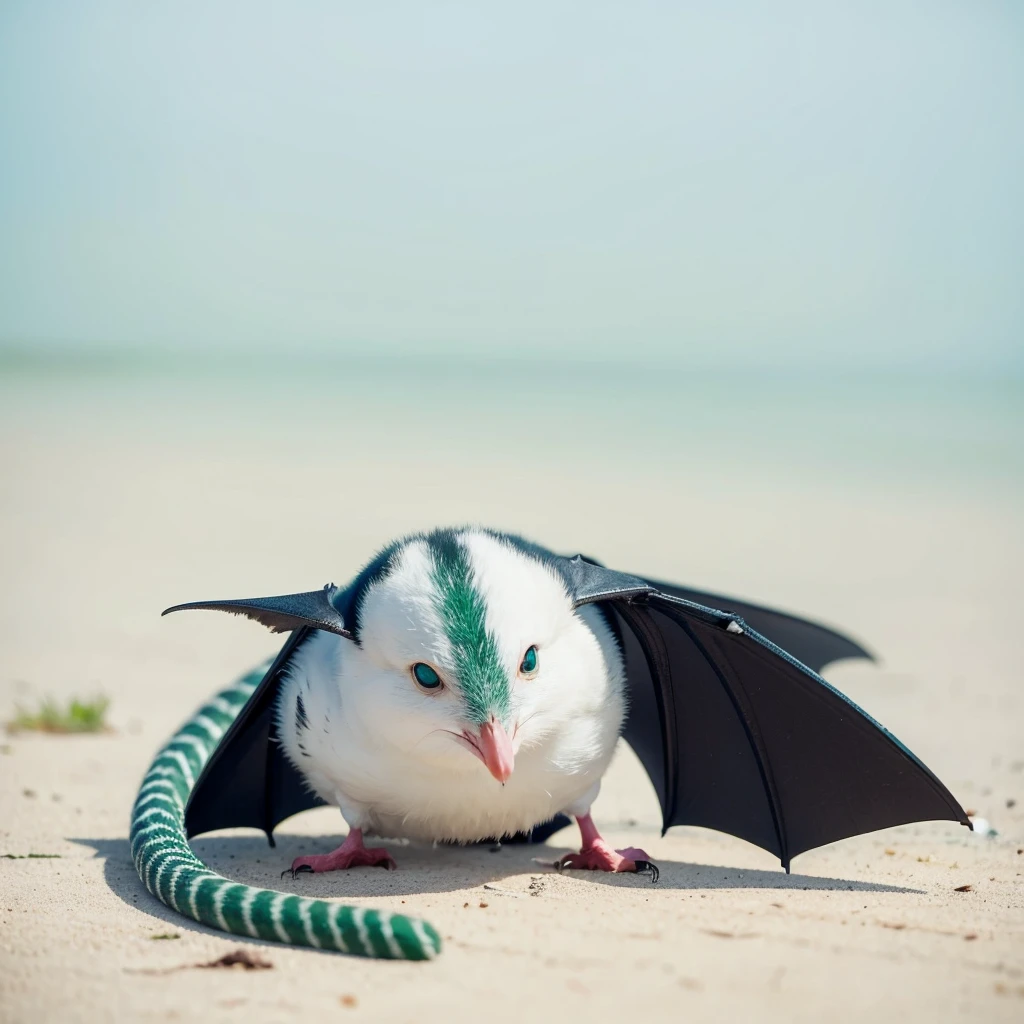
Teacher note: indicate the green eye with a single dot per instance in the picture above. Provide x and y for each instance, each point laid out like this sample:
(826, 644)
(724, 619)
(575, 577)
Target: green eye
(426, 676)
(529, 662)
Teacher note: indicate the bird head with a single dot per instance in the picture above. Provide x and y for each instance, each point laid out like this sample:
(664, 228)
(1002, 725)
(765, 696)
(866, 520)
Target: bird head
(469, 648)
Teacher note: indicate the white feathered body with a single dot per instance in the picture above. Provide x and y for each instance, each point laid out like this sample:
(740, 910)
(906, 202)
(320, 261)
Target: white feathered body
(368, 740)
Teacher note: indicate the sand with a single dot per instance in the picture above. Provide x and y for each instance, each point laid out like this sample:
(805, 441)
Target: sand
(102, 528)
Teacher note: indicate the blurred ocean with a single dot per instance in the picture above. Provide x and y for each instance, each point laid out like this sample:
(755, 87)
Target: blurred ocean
(934, 434)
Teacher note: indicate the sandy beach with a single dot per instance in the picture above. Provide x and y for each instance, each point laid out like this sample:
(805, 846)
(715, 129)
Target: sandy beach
(106, 517)
(727, 296)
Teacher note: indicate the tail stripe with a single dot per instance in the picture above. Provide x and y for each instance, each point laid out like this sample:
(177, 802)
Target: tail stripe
(221, 706)
(247, 899)
(427, 936)
(305, 916)
(209, 726)
(158, 784)
(359, 917)
(196, 744)
(218, 906)
(337, 942)
(172, 872)
(389, 935)
(183, 765)
(275, 916)
(154, 798)
(172, 886)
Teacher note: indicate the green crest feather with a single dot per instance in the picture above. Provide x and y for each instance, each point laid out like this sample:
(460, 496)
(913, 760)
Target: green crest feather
(482, 678)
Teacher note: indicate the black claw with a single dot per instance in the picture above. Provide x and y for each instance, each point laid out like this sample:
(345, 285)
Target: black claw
(646, 867)
(301, 869)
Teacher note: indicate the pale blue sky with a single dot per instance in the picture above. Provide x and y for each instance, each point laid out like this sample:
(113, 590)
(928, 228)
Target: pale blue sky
(770, 183)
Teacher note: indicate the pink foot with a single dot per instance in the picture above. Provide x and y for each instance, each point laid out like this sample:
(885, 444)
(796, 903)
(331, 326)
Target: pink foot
(597, 855)
(351, 854)
(601, 857)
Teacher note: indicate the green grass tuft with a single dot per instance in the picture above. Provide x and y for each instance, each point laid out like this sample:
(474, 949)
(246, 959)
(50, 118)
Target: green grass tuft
(77, 716)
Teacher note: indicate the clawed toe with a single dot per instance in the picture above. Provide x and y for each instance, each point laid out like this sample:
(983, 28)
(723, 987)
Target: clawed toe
(298, 869)
(647, 867)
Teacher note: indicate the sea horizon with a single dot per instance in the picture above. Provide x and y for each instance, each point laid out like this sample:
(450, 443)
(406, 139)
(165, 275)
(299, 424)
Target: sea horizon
(938, 430)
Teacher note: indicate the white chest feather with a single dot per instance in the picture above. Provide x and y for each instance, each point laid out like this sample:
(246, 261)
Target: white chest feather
(367, 741)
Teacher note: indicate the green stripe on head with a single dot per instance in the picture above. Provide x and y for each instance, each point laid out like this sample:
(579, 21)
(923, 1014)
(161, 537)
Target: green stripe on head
(482, 677)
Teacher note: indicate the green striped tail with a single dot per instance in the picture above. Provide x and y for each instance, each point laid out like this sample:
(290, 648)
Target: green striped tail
(172, 872)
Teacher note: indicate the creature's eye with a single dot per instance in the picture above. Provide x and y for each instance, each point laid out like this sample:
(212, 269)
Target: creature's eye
(425, 676)
(529, 663)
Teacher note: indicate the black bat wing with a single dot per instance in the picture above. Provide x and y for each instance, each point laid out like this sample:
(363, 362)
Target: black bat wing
(248, 781)
(740, 736)
(811, 643)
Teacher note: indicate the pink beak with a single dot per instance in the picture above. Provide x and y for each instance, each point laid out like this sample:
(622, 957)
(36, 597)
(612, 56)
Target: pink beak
(494, 748)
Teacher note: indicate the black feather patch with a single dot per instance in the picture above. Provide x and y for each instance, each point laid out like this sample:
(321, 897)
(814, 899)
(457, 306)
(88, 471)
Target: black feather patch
(301, 721)
(349, 601)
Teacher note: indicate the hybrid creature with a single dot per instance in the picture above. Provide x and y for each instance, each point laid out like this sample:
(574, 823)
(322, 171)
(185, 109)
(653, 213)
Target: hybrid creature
(468, 685)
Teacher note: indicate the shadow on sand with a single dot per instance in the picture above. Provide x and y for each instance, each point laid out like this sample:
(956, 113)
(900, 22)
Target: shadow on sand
(424, 869)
